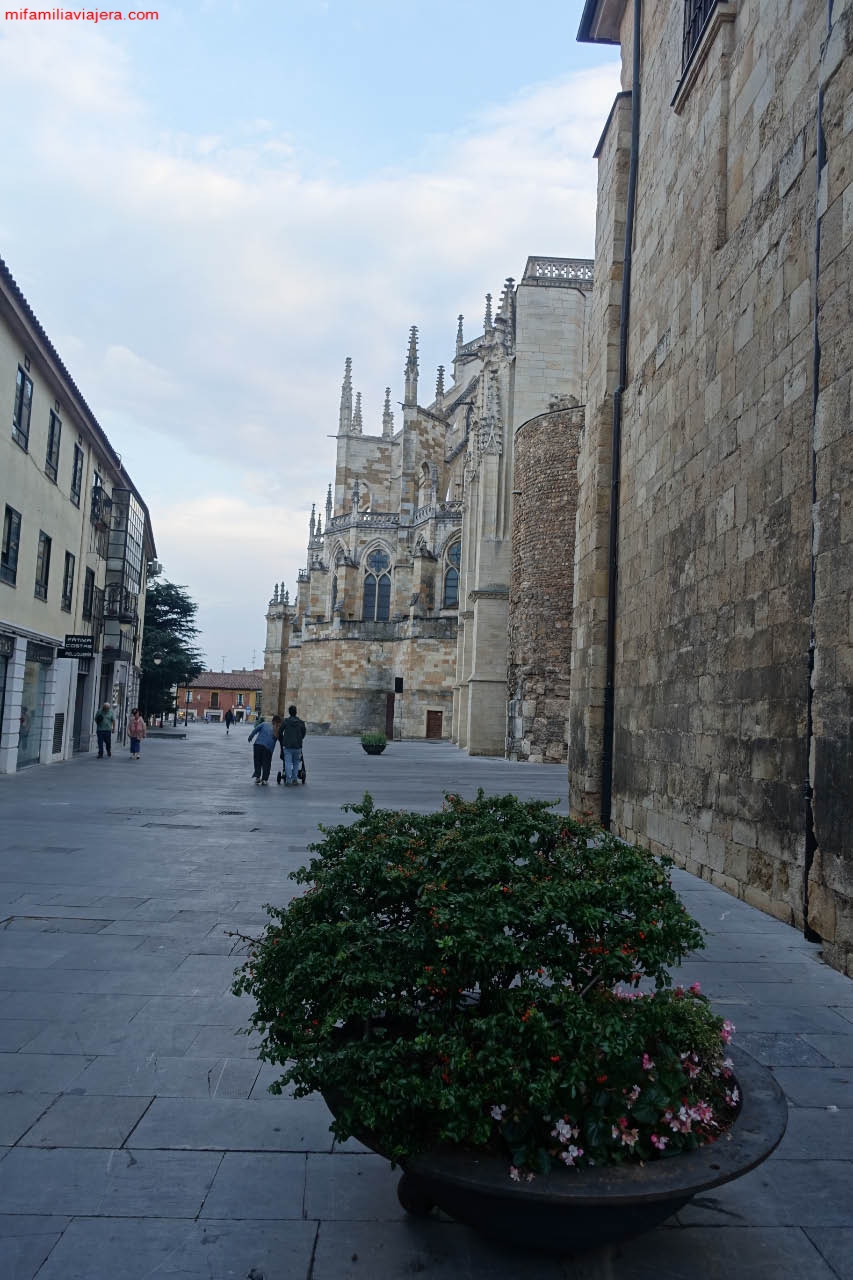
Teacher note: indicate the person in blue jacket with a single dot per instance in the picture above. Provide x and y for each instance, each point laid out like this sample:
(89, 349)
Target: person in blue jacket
(266, 739)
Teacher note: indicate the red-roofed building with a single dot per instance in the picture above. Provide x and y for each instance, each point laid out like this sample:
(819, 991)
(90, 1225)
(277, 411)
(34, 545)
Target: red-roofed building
(210, 695)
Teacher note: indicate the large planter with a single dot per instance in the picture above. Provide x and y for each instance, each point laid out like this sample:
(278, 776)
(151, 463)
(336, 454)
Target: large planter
(373, 748)
(577, 1209)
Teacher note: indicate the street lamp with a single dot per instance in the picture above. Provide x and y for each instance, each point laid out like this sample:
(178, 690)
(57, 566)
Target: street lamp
(157, 658)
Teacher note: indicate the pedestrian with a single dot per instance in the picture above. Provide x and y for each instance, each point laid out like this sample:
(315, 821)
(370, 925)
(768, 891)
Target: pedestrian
(266, 738)
(229, 720)
(105, 723)
(136, 730)
(291, 737)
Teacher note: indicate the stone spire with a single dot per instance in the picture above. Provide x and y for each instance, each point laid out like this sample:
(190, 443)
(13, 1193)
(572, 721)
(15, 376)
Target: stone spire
(387, 415)
(439, 386)
(357, 424)
(328, 506)
(345, 423)
(319, 533)
(459, 339)
(286, 597)
(312, 523)
(487, 322)
(275, 593)
(355, 496)
(411, 371)
(507, 297)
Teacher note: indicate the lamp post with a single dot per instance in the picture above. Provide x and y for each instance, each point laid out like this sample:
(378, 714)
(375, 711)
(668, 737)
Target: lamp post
(157, 658)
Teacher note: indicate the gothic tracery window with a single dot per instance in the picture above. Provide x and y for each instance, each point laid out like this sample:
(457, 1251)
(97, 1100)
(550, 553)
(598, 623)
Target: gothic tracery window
(450, 595)
(377, 587)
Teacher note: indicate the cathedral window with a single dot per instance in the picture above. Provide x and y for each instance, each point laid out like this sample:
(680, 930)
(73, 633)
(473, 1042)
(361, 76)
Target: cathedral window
(334, 591)
(696, 15)
(377, 587)
(450, 595)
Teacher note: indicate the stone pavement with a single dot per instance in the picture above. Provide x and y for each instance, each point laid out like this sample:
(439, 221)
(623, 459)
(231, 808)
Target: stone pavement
(137, 1138)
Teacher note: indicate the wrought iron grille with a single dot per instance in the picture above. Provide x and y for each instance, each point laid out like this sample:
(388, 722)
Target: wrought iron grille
(696, 14)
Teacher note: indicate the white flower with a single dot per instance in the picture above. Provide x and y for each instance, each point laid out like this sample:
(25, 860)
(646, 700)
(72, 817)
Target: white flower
(497, 1113)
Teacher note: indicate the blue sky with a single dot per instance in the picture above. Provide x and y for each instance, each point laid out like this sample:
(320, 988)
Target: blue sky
(209, 212)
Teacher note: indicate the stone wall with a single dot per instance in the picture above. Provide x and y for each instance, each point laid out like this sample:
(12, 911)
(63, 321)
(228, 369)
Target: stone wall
(715, 513)
(541, 585)
(340, 676)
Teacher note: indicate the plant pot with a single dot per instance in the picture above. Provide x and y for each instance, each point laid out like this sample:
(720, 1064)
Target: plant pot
(572, 1210)
(373, 748)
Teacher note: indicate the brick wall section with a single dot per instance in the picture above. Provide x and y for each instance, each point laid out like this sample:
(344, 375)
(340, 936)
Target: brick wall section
(541, 584)
(715, 511)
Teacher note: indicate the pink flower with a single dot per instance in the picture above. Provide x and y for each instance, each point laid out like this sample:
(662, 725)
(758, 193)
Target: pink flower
(634, 1094)
(659, 1142)
(727, 1031)
(647, 1062)
(571, 1154)
(514, 1174)
(695, 989)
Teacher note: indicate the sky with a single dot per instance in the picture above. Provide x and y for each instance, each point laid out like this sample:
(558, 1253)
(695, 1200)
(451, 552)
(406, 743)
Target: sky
(210, 211)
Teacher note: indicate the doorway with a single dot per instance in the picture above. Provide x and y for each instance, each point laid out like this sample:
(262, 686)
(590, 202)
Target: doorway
(389, 716)
(433, 724)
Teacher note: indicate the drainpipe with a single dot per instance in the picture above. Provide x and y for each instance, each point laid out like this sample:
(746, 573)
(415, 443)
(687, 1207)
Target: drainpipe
(808, 790)
(616, 438)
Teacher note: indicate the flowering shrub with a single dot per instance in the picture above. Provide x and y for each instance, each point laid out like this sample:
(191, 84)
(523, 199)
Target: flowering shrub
(472, 977)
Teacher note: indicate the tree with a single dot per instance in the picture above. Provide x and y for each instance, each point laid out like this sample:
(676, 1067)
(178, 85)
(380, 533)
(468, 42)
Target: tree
(169, 655)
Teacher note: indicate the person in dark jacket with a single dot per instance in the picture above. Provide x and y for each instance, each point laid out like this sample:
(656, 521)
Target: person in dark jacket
(291, 736)
(229, 720)
(266, 735)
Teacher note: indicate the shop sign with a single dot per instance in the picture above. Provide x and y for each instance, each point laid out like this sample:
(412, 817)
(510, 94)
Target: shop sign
(39, 653)
(77, 647)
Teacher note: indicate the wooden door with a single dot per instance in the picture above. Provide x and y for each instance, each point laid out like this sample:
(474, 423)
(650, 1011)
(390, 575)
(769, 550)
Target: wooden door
(433, 726)
(389, 716)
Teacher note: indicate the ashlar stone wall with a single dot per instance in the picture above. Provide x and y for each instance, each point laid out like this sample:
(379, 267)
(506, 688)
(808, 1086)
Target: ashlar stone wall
(717, 526)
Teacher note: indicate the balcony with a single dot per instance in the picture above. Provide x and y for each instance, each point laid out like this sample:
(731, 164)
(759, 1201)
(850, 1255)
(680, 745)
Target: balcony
(118, 648)
(120, 604)
(102, 508)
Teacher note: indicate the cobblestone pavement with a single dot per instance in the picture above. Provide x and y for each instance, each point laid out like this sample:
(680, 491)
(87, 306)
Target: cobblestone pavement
(137, 1138)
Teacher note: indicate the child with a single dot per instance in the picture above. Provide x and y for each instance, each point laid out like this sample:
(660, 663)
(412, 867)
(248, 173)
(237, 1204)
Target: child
(136, 729)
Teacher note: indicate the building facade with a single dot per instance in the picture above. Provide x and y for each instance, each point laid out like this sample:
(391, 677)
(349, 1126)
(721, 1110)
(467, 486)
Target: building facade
(712, 675)
(400, 620)
(76, 541)
(214, 693)
(526, 366)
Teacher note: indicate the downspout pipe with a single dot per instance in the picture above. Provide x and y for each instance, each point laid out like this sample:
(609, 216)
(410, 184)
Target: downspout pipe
(616, 437)
(808, 789)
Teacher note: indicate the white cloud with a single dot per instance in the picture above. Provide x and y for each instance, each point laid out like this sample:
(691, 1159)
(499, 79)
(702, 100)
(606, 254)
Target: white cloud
(205, 290)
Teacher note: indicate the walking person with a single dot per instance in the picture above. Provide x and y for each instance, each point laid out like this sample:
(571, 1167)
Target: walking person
(229, 720)
(105, 722)
(266, 738)
(291, 737)
(136, 731)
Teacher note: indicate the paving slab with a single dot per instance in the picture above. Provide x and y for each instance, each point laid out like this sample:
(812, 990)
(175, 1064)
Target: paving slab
(140, 1249)
(137, 1135)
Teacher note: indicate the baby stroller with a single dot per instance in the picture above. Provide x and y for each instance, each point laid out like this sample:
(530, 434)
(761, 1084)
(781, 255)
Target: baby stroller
(301, 774)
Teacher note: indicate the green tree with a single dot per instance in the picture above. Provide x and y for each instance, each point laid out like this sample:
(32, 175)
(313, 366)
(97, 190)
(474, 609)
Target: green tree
(169, 654)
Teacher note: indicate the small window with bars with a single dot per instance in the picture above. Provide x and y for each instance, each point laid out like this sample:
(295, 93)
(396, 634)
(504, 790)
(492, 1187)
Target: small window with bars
(68, 582)
(42, 566)
(89, 595)
(11, 542)
(22, 410)
(696, 15)
(77, 476)
(51, 461)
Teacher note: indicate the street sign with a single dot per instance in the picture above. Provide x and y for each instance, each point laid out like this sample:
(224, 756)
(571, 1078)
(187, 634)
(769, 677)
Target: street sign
(77, 647)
